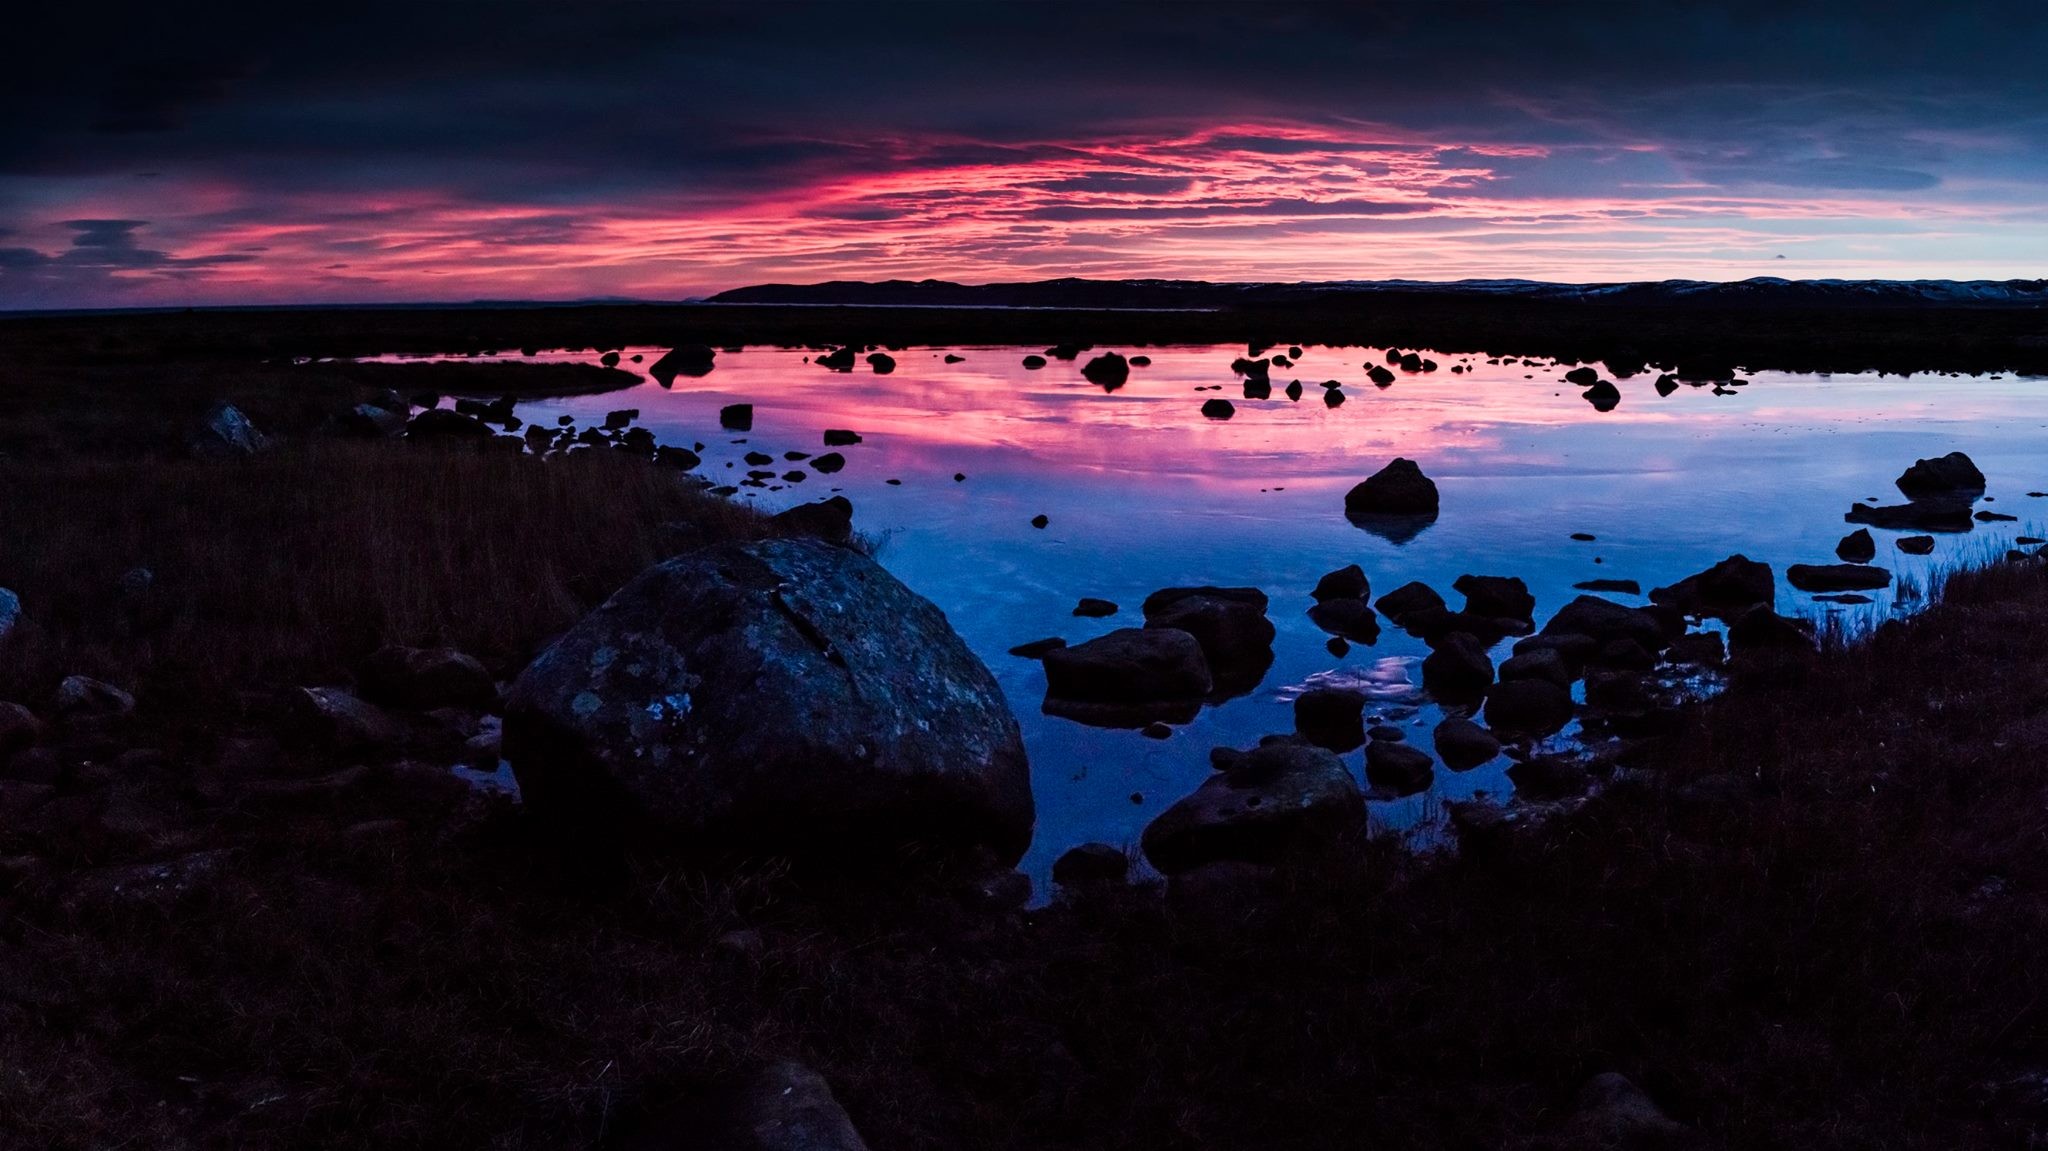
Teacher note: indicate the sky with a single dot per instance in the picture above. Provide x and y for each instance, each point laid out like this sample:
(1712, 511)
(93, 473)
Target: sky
(174, 154)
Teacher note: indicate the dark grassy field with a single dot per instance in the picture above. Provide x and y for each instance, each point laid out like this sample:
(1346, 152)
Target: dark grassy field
(1815, 917)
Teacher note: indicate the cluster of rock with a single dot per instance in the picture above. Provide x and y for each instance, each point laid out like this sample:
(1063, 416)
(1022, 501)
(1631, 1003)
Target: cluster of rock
(1198, 645)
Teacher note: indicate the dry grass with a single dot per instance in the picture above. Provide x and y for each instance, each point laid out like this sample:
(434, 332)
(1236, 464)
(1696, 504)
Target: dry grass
(288, 568)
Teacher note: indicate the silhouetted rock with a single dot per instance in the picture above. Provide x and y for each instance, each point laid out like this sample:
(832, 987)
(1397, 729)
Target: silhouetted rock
(1037, 648)
(1091, 864)
(772, 697)
(1090, 608)
(1141, 361)
(1604, 396)
(1398, 768)
(1351, 619)
(1926, 515)
(1763, 630)
(1033, 363)
(1603, 621)
(1261, 805)
(1583, 377)
(1218, 409)
(1916, 545)
(882, 362)
(682, 360)
(1550, 777)
(736, 417)
(1409, 600)
(1951, 475)
(1837, 577)
(225, 433)
(1107, 371)
(1399, 489)
(829, 463)
(1229, 622)
(1457, 667)
(830, 520)
(952, 358)
(839, 359)
(1331, 717)
(1622, 586)
(1501, 597)
(1380, 376)
(1067, 351)
(1130, 665)
(1540, 663)
(1528, 707)
(1857, 547)
(1723, 591)
(1464, 745)
(840, 437)
(1348, 582)
(1258, 390)
(371, 421)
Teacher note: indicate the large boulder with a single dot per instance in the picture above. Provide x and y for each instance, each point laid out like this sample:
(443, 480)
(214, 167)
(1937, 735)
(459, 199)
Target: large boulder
(423, 678)
(1953, 475)
(777, 696)
(1259, 806)
(1229, 622)
(1399, 489)
(1723, 591)
(226, 433)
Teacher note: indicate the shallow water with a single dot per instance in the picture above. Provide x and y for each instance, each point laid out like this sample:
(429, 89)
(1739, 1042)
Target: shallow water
(1143, 492)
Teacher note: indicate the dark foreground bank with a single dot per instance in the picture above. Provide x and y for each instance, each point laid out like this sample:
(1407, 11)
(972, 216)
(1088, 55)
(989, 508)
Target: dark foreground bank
(1811, 916)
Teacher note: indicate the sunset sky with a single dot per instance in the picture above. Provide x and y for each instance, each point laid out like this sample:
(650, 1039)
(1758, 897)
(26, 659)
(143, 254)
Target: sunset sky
(204, 154)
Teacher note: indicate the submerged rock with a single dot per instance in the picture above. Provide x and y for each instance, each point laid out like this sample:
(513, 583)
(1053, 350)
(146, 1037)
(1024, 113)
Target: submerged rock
(776, 696)
(1262, 805)
(1837, 577)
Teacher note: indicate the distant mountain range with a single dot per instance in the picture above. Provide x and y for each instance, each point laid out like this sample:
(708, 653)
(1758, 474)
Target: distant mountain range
(1768, 291)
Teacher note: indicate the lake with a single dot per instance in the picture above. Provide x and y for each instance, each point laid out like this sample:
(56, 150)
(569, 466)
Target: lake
(1141, 491)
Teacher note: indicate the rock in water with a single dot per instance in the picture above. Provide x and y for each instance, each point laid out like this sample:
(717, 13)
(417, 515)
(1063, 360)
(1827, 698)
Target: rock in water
(682, 360)
(1129, 666)
(1398, 768)
(225, 433)
(1399, 489)
(1528, 707)
(1218, 409)
(1229, 622)
(1857, 547)
(778, 696)
(1605, 621)
(1916, 545)
(1501, 597)
(1837, 577)
(1954, 474)
(1723, 591)
(1262, 804)
(1463, 744)
(1331, 717)
(1347, 582)
(1107, 371)
(1932, 514)
(736, 417)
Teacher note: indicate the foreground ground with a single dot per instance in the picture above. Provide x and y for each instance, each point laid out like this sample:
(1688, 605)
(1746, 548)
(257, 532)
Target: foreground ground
(1817, 917)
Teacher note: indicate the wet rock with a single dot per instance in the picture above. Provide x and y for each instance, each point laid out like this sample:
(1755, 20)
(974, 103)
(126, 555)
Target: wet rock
(226, 433)
(1837, 577)
(1347, 582)
(1951, 475)
(776, 696)
(1762, 630)
(1037, 648)
(736, 417)
(1618, 586)
(1398, 768)
(420, 679)
(444, 424)
(333, 716)
(1033, 363)
(1331, 717)
(1723, 591)
(1229, 622)
(1107, 371)
(82, 697)
(840, 438)
(1218, 409)
(1539, 663)
(1349, 619)
(1262, 805)
(1528, 707)
(1463, 744)
(1928, 515)
(1130, 666)
(783, 1106)
(1457, 667)
(1857, 547)
(1399, 489)
(830, 520)
(692, 360)
(1498, 597)
(1410, 600)
(1550, 777)
(829, 463)
(1705, 648)
(1916, 545)
(1091, 864)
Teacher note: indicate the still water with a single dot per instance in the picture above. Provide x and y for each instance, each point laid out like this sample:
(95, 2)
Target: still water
(1141, 491)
